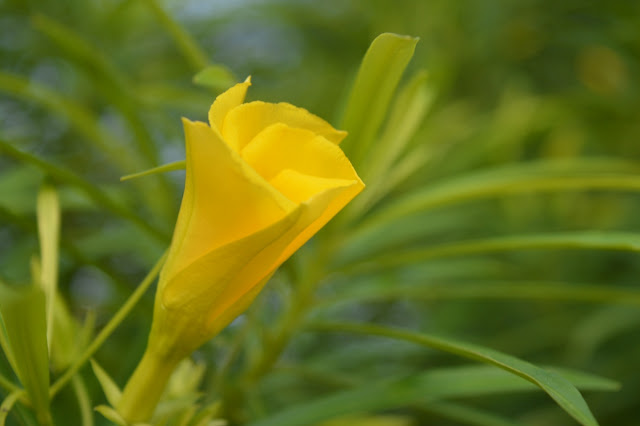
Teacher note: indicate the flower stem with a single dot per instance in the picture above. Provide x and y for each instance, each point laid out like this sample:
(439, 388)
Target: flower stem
(145, 387)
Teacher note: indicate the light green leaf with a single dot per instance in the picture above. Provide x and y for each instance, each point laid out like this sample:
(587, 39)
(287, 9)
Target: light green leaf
(406, 115)
(48, 213)
(23, 315)
(559, 388)
(109, 387)
(216, 77)
(112, 415)
(375, 84)
(177, 165)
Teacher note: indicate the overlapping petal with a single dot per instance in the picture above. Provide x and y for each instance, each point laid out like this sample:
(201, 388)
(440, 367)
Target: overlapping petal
(244, 122)
(261, 180)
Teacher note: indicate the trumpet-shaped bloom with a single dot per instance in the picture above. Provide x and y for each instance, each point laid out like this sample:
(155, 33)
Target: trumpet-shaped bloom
(261, 180)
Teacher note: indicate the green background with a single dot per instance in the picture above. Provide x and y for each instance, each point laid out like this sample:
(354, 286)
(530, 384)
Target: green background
(97, 88)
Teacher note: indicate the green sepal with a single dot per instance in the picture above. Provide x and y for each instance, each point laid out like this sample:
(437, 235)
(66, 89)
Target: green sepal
(111, 415)
(109, 387)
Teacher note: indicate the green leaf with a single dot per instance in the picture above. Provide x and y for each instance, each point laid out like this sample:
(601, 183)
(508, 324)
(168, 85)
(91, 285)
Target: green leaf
(94, 193)
(24, 318)
(109, 387)
(527, 290)
(48, 213)
(595, 330)
(406, 115)
(216, 77)
(177, 165)
(109, 327)
(548, 176)
(84, 400)
(375, 84)
(585, 240)
(7, 405)
(557, 387)
(425, 389)
(468, 415)
(111, 415)
(68, 340)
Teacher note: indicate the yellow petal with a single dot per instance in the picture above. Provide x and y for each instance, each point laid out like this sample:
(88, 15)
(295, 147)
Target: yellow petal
(247, 120)
(224, 199)
(187, 302)
(299, 187)
(225, 102)
(320, 208)
(311, 216)
(280, 147)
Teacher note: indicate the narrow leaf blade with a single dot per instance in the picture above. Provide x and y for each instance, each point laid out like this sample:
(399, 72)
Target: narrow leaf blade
(557, 387)
(23, 314)
(48, 213)
(379, 74)
(109, 387)
(176, 165)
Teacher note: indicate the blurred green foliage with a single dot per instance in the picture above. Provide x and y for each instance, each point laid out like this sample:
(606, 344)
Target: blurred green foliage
(509, 218)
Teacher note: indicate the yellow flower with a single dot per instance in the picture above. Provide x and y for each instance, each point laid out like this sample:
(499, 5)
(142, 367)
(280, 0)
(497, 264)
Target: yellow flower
(261, 180)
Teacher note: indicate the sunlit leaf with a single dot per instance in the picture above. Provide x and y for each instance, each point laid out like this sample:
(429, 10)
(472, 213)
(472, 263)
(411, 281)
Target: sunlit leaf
(23, 315)
(375, 84)
(49, 233)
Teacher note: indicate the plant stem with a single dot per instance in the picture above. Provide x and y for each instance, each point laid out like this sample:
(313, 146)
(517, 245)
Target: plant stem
(145, 387)
(109, 328)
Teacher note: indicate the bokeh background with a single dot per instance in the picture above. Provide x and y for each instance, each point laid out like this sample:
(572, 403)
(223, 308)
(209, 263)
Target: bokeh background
(92, 90)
